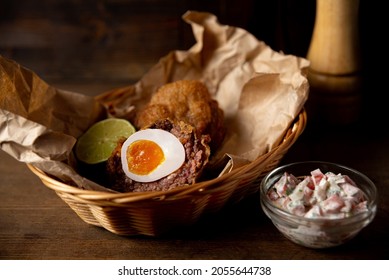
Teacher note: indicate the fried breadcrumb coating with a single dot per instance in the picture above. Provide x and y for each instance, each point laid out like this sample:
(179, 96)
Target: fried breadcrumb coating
(188, 101)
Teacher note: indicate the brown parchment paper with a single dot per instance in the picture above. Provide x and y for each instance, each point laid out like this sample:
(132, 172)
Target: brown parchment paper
(260, 91)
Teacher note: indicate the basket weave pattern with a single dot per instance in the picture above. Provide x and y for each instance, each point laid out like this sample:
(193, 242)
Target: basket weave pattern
(154, 213)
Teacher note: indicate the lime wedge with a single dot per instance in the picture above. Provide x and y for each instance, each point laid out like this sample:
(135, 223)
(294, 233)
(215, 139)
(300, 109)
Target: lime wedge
(98, 142)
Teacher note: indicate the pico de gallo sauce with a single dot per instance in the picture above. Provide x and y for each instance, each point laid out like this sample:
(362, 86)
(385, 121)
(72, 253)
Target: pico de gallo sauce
(320, 195)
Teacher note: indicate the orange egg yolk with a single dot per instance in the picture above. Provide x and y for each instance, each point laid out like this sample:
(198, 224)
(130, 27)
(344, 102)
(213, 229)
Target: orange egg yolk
(144, 156)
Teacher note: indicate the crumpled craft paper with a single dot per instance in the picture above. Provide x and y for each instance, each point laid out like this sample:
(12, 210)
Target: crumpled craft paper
(260, 91)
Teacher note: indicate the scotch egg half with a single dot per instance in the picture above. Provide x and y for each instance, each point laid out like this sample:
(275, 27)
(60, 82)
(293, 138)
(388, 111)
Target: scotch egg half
(151, 154)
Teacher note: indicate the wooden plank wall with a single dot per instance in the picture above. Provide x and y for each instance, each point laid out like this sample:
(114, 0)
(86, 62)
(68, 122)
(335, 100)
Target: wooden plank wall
(99, 40)
(89, 39)
(96, 41)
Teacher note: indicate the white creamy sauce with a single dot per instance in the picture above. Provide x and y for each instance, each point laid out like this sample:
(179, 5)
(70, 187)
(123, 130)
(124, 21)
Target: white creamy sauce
(319, 195)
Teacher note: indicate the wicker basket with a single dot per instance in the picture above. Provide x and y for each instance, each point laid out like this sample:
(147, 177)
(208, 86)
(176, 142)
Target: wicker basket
(154, 213)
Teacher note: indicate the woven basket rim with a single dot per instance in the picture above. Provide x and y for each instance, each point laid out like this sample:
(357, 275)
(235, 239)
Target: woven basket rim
(295, 129)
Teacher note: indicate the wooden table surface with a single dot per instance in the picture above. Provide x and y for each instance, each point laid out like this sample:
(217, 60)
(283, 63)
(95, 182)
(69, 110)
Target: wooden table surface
(92, 48)
(36, 224)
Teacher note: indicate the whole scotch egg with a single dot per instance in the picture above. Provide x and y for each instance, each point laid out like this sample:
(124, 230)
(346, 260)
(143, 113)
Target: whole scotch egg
(151, 154)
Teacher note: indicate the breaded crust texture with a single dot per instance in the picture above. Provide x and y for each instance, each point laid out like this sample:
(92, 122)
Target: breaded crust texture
(188, 101)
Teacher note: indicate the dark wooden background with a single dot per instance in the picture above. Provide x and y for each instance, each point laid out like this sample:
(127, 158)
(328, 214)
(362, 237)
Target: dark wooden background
(114, 42)
(120, 40)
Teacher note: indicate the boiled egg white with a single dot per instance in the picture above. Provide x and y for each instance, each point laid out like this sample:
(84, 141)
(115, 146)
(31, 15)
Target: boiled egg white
(151, 154)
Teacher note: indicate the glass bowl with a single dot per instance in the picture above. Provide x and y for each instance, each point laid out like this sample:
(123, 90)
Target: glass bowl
(319, 232)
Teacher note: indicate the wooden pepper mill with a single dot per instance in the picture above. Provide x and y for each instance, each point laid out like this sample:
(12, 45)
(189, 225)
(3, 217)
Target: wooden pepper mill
(334, 53)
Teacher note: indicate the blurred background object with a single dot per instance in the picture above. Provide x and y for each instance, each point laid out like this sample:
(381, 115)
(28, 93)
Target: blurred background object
(334, 53)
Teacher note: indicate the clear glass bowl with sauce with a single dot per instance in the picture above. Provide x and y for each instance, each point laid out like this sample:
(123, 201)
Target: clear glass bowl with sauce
(319, 232)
